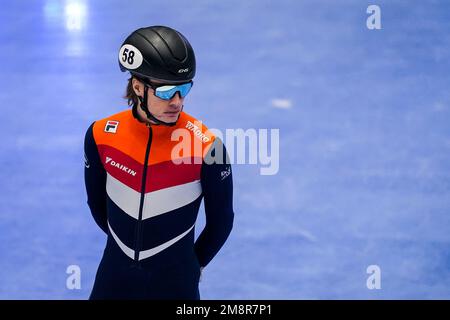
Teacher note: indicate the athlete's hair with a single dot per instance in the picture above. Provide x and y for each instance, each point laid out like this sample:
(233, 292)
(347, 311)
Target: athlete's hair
(130, 95)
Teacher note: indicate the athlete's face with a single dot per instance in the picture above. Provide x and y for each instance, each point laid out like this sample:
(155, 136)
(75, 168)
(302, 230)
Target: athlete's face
(164, 110)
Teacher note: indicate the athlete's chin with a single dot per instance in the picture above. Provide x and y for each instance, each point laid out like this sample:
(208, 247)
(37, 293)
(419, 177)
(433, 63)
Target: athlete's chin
(171, 117)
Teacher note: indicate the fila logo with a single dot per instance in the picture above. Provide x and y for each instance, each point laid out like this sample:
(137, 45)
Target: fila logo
(111, 126)
(183, 70)
(120, 166)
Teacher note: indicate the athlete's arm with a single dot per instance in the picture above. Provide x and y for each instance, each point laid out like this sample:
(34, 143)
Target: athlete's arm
(217, 185)
(95, 180)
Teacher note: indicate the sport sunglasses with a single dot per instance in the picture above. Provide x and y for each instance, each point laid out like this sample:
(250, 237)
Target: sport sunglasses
(167, 91)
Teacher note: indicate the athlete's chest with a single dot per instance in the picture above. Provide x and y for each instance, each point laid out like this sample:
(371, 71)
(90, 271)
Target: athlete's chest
(154, 159)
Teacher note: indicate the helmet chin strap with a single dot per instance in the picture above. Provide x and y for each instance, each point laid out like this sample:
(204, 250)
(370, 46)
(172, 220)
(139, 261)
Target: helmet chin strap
(150, 116)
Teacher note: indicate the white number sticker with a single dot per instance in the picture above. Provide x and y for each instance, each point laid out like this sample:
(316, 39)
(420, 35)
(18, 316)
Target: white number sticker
(130, 57)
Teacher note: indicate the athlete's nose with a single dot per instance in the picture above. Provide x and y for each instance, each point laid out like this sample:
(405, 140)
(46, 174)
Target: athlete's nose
(176, 100)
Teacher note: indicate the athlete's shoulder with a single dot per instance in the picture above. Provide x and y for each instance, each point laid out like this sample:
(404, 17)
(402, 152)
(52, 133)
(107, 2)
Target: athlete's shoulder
(122, 116)
(194, 124)
(110, 127)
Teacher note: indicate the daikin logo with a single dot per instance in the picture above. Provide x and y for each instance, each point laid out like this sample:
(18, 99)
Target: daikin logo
(120, 166)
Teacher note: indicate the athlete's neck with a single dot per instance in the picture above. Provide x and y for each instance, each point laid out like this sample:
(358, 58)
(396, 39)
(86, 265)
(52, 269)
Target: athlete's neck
(142, 117)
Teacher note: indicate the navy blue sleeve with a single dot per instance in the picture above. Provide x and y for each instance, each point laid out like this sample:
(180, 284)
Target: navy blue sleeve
(95, 180)
(217, 185)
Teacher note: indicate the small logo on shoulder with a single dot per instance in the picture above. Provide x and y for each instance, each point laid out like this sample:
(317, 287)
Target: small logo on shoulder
(197, 131)
(86, 161)
(111, 126)
(225, 173)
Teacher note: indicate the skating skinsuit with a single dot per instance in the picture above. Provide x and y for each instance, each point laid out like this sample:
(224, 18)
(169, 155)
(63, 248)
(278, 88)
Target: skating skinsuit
(144, 187)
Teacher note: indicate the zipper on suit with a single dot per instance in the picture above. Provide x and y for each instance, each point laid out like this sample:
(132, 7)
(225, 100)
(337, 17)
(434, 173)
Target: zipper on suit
(138, 239)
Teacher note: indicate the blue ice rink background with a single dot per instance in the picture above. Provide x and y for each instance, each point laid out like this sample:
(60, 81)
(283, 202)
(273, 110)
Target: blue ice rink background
(364, 174)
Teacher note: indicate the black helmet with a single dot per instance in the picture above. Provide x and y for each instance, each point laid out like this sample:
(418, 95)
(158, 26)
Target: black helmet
(158, 53)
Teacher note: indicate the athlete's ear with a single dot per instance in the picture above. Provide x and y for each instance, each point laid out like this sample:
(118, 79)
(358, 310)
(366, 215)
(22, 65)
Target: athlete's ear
(138, 87)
